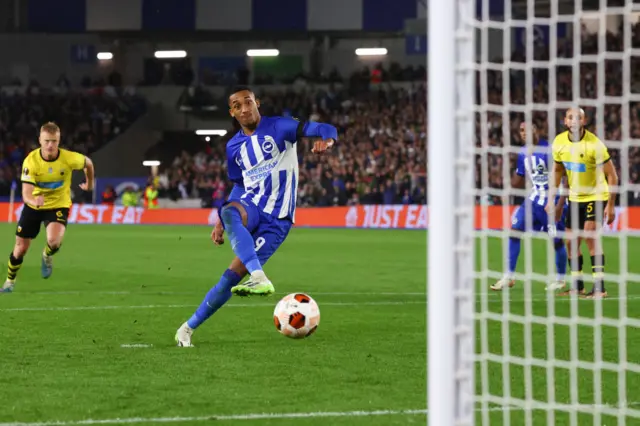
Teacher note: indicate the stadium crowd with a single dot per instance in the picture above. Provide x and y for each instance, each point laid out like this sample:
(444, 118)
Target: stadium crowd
(381, 155)
(609, 113)
(89, 117)
(379, 160)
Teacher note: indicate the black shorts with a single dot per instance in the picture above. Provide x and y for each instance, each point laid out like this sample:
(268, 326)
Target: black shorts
(31, 219)
(585, 211)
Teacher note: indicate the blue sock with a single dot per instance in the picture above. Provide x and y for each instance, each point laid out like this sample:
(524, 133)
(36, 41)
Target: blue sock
(215, 298)
(240, 239)
(561, 259)
(514, 253)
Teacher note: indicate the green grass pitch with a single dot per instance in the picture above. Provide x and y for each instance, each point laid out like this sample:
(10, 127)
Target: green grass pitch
(61, 353)
(62, 339)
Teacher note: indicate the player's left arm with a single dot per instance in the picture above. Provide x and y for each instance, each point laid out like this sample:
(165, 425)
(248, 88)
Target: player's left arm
(604, 161)
(558, 172)
(79, 161)
(295, 130)
(89, 173)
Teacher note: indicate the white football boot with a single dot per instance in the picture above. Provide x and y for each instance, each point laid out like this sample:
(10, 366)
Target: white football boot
(183, 336)
(7, 287)
(556, 285)
(503, 283)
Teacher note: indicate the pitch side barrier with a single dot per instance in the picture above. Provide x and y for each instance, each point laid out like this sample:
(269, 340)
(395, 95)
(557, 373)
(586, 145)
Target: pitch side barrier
(370, 216)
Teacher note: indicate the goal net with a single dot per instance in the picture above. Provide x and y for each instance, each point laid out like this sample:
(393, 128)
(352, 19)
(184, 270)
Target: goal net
(541, 358)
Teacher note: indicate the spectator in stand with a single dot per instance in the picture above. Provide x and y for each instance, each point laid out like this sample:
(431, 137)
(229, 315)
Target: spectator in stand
(109, 195)
(130, 197)
(151, 196)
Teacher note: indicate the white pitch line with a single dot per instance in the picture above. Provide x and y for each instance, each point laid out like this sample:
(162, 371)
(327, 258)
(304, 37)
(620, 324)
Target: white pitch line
(276, 416)
(492, 300)
(161, 293)
(233, 305)
(257, 416)
(136, 345)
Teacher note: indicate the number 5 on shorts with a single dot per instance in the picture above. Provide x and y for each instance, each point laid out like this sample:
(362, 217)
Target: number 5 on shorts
(260, 242)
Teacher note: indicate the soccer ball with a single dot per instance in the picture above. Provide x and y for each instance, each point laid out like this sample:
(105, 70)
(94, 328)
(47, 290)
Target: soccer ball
(296, 315)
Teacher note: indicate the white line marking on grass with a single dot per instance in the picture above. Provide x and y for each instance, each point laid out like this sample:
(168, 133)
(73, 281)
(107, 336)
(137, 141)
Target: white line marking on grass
(160, 293)
(136, 345)
(232, 305)
(492, 300)
(316, 414)
(257, 416)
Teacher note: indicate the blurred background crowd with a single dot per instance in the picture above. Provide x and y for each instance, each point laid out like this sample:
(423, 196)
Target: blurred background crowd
(380, 113)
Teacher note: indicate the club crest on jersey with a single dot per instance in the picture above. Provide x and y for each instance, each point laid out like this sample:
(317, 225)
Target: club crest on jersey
(268, 145)
(50, 170)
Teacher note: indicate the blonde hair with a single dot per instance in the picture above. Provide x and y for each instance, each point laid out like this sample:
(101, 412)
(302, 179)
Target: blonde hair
(50, 127)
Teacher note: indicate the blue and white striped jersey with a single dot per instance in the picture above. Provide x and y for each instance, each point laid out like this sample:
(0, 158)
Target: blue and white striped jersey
(536, 166)
(264, 165)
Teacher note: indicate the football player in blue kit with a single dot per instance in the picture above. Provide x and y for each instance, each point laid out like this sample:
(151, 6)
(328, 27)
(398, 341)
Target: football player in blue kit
(262, 162)
(534, 164)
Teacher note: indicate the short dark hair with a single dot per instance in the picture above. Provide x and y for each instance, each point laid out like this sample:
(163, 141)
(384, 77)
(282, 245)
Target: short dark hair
(237, 89)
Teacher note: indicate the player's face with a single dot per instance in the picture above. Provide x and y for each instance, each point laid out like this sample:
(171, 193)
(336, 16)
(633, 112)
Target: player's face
(49, 143)
(523, 132)
(574, 120)
(243, 106)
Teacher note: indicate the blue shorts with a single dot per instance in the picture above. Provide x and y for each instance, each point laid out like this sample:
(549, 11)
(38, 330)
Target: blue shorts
(539, 218)
(268, 232)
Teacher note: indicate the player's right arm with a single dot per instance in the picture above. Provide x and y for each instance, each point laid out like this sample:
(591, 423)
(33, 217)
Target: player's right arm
(517, 181)
(558, 172)
(29, 184)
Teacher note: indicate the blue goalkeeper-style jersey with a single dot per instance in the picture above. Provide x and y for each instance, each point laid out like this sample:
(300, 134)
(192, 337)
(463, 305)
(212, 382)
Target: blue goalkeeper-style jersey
(264, 165)
(536, 166)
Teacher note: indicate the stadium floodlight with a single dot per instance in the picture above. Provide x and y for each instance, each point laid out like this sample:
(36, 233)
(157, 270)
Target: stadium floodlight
(262, 52)
(104, 56)
(211, 132)
(151, 163)
(170, 54)
(371, 51)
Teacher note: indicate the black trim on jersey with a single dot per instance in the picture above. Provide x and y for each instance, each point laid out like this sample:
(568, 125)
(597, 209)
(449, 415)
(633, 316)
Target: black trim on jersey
(48, 161)
(300, 131)
(584, 133)
(559, 162)
(605, 161)
(29, 182)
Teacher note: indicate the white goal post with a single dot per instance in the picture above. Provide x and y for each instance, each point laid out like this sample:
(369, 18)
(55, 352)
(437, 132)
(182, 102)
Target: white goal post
(451, 298)
(525, 356)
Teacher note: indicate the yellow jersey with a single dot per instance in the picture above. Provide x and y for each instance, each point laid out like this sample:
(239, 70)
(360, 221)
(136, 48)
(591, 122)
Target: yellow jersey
(52, 178)
(583, 160)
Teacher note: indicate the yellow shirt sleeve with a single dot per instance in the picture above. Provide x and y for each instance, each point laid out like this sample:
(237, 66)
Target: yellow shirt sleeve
(601, 153)
(75, 160)
(28, 171)
(555, 150)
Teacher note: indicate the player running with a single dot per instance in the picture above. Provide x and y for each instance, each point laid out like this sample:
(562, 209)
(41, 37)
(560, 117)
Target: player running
(46, 192)
(262, 162)
(585, 160)
(534, 163)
